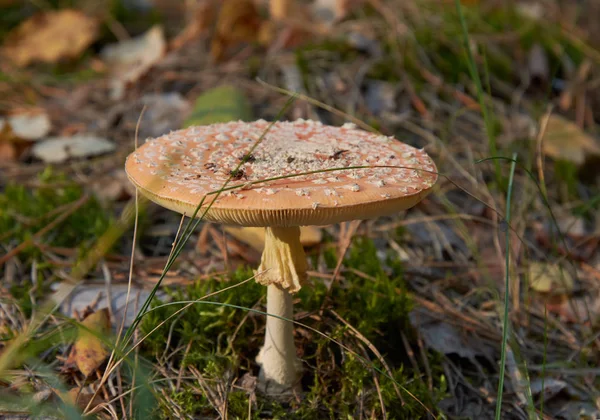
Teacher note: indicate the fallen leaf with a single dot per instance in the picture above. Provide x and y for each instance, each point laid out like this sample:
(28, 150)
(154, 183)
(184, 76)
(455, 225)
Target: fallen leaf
(550, 278)
(255, 236)
(564, 140)
(446, 338)
(131, 59)
(60, 149)
(576, 409)
(112, 186)
(547, 388)
(27, 125)
(95, 295)
(50, 36)
(163, 112)
(204, 14)
(88, 352)
(579, 310)
(18, 130)
(81, 398)
(571, 225)
(238, 21)
(221, 104)
(8, 152)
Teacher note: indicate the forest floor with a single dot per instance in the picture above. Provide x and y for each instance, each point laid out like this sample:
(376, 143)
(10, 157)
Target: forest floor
(490, 283)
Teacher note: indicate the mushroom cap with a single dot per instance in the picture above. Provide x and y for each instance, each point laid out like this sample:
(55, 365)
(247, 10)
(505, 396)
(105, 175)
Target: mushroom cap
(179, 169)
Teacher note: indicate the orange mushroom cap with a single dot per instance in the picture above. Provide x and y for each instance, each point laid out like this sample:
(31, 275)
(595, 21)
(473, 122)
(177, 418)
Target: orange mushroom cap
(178, 169)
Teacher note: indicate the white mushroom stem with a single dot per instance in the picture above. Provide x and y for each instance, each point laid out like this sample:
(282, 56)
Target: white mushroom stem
(280, 368)
(283, 269)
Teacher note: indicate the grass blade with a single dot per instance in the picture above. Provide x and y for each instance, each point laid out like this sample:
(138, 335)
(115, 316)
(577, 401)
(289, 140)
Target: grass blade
(505, 321)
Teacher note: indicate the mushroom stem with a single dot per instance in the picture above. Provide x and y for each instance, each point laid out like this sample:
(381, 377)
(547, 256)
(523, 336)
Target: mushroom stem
(283, 269)
(280, 368)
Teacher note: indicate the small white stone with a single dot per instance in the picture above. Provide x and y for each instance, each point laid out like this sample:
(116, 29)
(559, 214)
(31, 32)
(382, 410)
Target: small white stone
(315, 205)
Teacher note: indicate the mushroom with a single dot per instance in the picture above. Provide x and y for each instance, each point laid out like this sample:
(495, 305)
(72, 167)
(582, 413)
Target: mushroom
(385, 176)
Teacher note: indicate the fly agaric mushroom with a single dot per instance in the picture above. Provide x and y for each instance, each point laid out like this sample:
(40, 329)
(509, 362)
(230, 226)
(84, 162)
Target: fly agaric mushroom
(177, 170)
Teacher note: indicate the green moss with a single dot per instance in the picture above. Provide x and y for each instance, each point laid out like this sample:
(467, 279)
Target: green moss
(23, 212)
(336, 383)
(206, 326)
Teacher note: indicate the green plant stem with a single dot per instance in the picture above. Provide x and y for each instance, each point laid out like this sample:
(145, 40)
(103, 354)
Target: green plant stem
(474, 73)
(505, 321)
(544, 357)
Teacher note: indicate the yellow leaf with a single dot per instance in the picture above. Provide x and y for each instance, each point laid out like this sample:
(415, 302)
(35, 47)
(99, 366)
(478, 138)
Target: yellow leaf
(50, 36)
(89, 352)
(550, 278)
(564, 140)
(255, 236)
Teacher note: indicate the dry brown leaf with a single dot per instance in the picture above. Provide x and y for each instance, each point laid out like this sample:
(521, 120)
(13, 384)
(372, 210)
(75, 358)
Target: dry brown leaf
(238, 21)
(11, 146)
(80, 398)
(131, 59)
(579, 310)
(203, 16)
(8, 152)
(255, 236)
(564, 140)
(50, 36)
(88, 352)
(550, 279)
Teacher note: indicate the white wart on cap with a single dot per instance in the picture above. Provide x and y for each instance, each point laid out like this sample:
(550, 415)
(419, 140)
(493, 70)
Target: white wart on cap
(178, 169)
